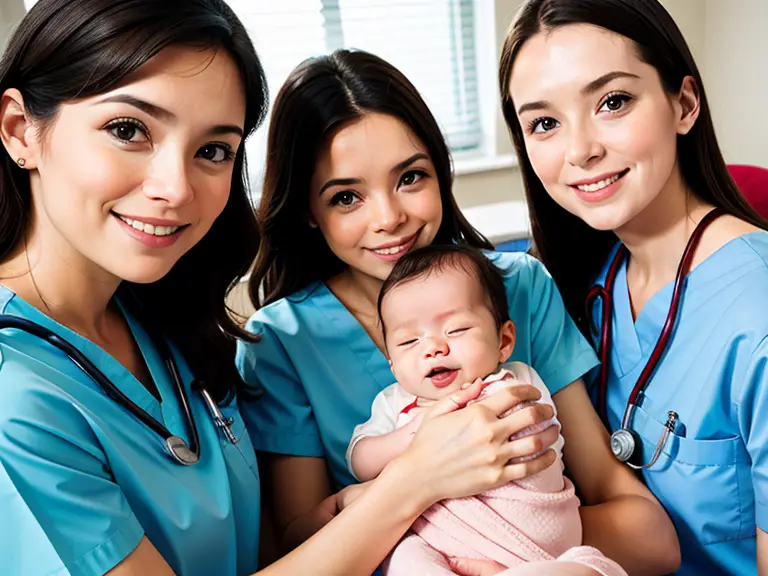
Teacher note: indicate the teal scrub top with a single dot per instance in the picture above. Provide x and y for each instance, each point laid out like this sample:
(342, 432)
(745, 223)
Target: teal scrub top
(712, 476)
(319, 371)
(82, 480)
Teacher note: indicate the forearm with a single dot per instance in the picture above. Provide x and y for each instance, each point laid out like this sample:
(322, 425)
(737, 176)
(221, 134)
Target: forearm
(369, 528)
(635, 532)
(372, 454)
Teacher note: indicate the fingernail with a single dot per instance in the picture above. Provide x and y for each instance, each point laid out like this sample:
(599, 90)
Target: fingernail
(466, 385)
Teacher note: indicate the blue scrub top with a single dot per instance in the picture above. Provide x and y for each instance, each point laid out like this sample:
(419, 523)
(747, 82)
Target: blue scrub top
(712, 476)
(320, 371)
(82, 480)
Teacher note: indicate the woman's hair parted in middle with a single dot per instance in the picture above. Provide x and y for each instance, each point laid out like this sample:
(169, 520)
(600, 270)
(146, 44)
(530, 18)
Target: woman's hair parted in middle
(321, 96)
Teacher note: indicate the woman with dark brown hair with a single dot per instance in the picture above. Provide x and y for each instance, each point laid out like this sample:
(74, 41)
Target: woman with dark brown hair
(628, 191)
(124, 221)
(358, 174)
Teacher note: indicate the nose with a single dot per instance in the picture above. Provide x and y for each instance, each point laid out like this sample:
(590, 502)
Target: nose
(583, 148)
(388, 215)
(169, 181)
(436, 347)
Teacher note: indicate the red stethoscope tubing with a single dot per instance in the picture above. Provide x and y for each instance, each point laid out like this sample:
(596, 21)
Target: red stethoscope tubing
(606, 293)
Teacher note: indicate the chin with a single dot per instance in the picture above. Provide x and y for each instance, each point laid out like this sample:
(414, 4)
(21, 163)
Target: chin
(143, 274)
(605, 218)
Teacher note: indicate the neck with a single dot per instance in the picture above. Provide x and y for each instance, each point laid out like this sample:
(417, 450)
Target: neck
(656, 238)
(359, 292)
(54, 278)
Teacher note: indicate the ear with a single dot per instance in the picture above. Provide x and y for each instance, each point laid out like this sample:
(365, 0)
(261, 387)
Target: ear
(687, 105)
(506, 341)
(17, 132)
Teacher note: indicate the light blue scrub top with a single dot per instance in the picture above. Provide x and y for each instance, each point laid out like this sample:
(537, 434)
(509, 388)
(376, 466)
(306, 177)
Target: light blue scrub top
(320, 371)
(713, 474)
(82, 480)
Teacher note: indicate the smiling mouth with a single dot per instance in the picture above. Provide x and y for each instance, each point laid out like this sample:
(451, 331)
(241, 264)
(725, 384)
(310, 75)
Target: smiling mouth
(150, 229)
(597, 186)
(440, 370)
(399, 249)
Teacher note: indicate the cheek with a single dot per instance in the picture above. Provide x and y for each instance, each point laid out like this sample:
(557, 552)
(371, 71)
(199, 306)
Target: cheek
(426, 205)
(342, 230)
(547, 159)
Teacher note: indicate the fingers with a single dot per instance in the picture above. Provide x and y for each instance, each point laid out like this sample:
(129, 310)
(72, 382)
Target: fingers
(507, 398)
(457, 399)
(519, 470)
(528, 419)
(472, 567)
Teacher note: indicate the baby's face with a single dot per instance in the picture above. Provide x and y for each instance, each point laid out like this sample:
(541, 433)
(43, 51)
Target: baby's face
(441, 334)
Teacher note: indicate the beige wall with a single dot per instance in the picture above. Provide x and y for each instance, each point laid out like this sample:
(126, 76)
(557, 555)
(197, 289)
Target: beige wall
(11, 12)
(736, 77)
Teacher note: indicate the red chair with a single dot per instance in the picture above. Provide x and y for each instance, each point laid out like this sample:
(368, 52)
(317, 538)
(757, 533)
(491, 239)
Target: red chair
(753, 183)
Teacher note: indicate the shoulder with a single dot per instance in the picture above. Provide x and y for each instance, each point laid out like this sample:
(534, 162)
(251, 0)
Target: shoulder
(38, 401)
(756, 243)
(516, 266)
(290, 313)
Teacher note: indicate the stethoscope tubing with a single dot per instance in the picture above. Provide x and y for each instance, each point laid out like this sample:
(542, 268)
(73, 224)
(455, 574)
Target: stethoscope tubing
(606, 294)
(8, 321)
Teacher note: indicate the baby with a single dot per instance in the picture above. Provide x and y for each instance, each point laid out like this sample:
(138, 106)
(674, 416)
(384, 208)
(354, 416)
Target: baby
(444, 316)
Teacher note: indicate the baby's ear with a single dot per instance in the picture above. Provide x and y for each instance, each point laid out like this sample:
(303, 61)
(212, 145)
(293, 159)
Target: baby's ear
(506, 341)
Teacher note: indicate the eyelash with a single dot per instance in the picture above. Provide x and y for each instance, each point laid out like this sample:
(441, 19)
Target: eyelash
(229, 154)
(621, 96)
(336, 199)
(420, 174)
(121, 122)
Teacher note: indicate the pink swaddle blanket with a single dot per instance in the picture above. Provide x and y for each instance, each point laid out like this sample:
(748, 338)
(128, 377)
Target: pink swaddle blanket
(530, 524)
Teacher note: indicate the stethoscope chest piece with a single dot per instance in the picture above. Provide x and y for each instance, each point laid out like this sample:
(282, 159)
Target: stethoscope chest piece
(623, 444)
(180, 451)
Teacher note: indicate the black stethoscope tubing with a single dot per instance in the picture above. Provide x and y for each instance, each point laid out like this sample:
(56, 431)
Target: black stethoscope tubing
(176, 447)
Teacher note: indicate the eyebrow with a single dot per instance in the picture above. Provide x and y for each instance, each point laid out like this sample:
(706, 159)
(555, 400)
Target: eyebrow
(590, 88)
(400, 166)
(166, 115)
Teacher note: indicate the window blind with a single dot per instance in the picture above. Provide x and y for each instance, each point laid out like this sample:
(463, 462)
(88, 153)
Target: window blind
(431, 41)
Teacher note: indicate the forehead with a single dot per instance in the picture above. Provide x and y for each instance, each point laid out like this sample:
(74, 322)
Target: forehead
(570, 56)
(370, 142)
(451, 288)
(195, 84)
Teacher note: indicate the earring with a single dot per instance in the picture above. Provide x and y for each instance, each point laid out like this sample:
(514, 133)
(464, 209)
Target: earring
(21, 162)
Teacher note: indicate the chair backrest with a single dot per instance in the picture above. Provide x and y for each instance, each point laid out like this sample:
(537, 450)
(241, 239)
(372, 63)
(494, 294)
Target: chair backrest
(753, 183)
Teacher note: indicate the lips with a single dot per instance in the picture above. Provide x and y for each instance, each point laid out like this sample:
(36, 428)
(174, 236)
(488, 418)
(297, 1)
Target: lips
(442, 376)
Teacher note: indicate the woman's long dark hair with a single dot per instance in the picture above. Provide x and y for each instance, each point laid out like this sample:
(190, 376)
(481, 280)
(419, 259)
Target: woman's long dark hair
(571, 250)
(320, 96)
(66, 49)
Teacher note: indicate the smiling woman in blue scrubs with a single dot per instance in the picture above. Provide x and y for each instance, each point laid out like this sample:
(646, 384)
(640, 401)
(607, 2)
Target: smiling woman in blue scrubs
(358, 174)
(124, 219)
(612, 127)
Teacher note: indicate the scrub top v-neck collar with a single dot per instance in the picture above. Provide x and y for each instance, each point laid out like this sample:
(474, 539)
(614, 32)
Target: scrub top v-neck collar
(356, 338)
(166, 411)
(634, 338)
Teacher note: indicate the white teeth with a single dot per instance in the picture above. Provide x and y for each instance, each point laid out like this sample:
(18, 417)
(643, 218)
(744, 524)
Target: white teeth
(390, 251)
(149, 228)
(598, 185)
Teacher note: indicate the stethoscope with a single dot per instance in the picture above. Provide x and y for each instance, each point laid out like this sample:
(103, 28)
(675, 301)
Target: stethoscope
(177, 448)
(624, 441)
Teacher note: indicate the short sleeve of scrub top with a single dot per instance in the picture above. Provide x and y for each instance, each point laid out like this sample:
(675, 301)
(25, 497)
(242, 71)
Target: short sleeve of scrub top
(711, 475)
(82, 481)
(318, 371)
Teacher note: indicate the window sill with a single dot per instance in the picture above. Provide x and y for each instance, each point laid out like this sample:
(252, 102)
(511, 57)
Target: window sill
(474, 163)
